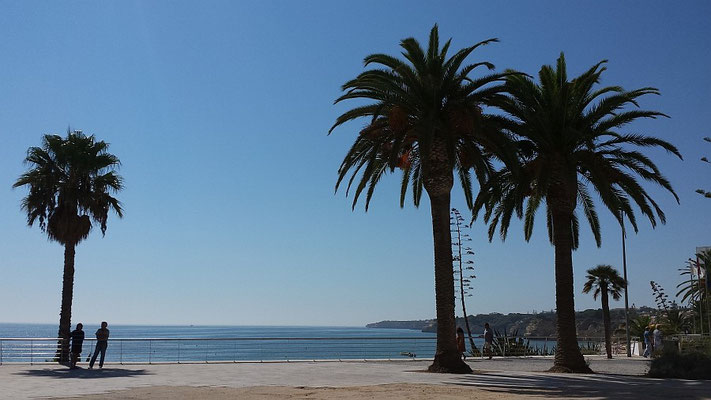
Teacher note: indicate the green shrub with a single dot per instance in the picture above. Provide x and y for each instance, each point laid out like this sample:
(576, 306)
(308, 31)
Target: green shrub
(683, 366)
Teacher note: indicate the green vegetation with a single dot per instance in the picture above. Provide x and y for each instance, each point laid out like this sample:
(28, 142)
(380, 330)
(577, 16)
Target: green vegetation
(70, 183)
(672, 318)
(604, 280)
(569, 140)
(681, 366)
(514, 345)
(637, 326)
(425, 117)
(694, 291)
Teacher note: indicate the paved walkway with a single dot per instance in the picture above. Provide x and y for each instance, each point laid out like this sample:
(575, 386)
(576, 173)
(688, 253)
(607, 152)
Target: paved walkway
(618, 379)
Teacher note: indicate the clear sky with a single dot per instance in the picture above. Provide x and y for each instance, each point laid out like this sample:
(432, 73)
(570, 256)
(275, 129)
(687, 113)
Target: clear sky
(219, 113)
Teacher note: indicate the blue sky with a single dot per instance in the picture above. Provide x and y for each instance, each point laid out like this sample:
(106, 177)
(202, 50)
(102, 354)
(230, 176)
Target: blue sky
(219, 113)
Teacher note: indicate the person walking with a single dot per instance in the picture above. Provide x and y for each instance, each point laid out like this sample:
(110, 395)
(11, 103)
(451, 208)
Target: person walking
(102, 341)
(77, 336)
(461, 347)
(488, 340)
(657, 334)
(647, 343)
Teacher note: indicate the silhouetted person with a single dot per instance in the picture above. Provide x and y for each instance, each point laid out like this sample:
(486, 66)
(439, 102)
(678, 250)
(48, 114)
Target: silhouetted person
(77, 336)
(488, 339)
(647, 342)
(102, 341)
(461, 347)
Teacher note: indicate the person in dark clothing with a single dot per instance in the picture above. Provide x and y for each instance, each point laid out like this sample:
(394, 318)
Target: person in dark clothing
(102, 341)
(461, 347)
(77, 336)
(488, 339)
(647, 342)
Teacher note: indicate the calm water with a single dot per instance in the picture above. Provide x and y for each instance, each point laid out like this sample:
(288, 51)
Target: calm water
(139, 343)
(227, 343)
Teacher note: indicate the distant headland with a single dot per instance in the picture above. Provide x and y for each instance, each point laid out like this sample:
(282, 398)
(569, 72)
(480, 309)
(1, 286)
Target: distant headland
(588, 322)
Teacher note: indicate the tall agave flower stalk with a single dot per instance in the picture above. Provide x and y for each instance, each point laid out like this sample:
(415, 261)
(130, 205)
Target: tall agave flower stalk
(462, 255)
(702, 192)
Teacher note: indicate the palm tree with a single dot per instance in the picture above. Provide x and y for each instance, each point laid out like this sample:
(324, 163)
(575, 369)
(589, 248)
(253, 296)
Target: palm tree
(605, 281)
(70, 182)
(569, 140)
(638, 324)
(425, 117)
(693, 289)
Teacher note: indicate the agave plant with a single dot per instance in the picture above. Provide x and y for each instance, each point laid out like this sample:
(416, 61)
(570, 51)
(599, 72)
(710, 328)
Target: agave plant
(703, 192)
(463, 267)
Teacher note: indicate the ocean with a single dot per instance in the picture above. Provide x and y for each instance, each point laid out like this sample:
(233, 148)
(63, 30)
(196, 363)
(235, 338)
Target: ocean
(141, 343)
(155, 343)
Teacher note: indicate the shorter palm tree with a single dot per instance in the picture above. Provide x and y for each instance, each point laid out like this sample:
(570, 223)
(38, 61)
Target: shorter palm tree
(70, 183)
(605, 281)
(638, 325)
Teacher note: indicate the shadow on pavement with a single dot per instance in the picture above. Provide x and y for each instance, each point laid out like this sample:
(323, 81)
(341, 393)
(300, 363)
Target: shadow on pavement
(588, 386)
(82, 373)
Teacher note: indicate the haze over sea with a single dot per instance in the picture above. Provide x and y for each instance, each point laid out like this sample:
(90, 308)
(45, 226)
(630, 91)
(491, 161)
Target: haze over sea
(206, 331)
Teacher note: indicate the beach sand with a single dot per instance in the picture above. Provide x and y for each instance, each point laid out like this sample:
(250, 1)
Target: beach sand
(376, 392)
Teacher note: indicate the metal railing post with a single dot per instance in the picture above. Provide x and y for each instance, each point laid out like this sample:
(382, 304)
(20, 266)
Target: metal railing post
(150, 351)
(121, 352)
(31, 354)
(178, 351)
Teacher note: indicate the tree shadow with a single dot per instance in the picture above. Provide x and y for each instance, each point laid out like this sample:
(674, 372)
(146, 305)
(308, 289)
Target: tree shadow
(81, 373)
(597, 386)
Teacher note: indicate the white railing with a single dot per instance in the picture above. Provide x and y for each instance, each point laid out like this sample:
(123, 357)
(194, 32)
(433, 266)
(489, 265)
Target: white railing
(205, 350)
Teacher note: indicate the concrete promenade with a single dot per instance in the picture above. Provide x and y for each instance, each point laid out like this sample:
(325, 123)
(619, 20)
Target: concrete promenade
(518, 378)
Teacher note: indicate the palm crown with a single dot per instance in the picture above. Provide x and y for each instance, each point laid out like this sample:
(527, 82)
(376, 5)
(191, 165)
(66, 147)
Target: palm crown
(570, 138)
(70, 184)
(426, 119)
(604, 277)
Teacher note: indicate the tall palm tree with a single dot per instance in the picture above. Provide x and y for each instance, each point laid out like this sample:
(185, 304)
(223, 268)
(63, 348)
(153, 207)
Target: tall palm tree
(569, 140)
(70, 183)
(425, 117)
(605, 281)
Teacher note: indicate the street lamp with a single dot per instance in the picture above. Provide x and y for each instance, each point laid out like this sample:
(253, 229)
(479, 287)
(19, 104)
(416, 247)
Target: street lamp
(624, 271)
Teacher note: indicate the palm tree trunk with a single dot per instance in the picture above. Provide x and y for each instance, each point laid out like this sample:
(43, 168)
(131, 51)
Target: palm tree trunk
(568, 357)
(447, 358)
(606, 320)
(438, 180)
(65, 315)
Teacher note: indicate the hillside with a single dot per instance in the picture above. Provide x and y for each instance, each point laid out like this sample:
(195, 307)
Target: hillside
(588, 322)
